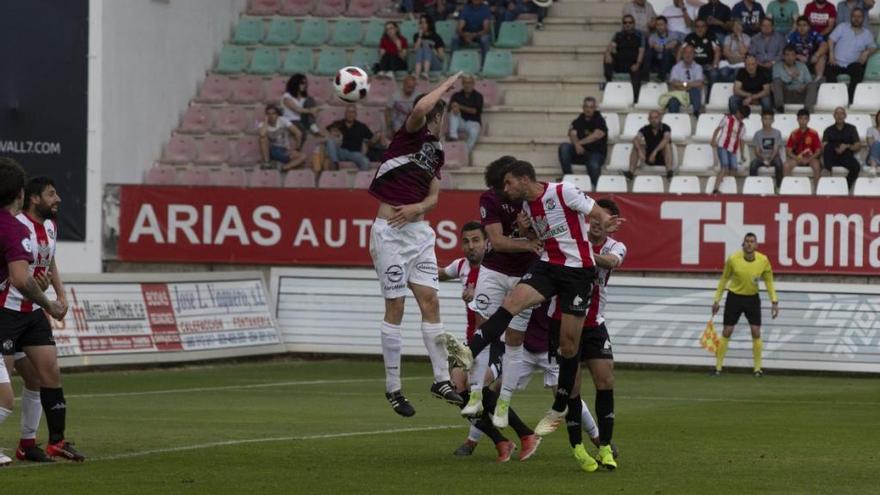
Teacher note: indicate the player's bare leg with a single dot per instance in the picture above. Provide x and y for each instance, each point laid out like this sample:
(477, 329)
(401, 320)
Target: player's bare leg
(569, 344)
(757, 348)
(602, 371)
(432, 328)
(31, 412)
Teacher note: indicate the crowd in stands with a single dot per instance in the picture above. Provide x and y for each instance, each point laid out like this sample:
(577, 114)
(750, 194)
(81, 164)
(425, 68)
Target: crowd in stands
(774, 58)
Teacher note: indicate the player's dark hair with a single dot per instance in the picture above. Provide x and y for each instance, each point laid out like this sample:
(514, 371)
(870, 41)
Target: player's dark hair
(272, 106)
(767, 112)
(803, 18)
(744, 110)
(439, 108)
(293, 86)
(789, 48)
(609, 204)
(473, 225)
(661, 18)
(770, 19)
(750, 234)
(35, 187)
(521, 168)
(803, 112)
(12, 178)
(496, 171)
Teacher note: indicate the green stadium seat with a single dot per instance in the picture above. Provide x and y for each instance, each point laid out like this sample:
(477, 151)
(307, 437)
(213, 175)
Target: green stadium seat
(233, 59)
(498, 64)
(330, 60)
(298, 60)
(265, 60)
(282, 31)
(375, 30)
(446, 30)
(313, 32)
(347, 32)
(365, 57)
(408, 29)
(872, 70)
(467, 61)
(248, 31)
(513, 34)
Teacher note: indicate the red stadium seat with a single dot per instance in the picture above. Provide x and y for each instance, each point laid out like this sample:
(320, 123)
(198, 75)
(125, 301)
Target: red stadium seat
(231, 119)
(455, 154)
(363, 179)
(321, 89)
(215, 89)
(263, 7)
(381, 90)
(266, 178)
(196, 120)
(247, 89)
(329, 115)
(311, 143)
(196, 176)
(374, 118)
(275, 88)
(345, 165)
(446, 182)
(245, 151)
(489, 89)
(162, 175)
(180, 149)
(213, 150)
(329, 8)
(253, 116)
(362, 8)
(333, 179)
(230, 177)
(296, 8)
(299, 178)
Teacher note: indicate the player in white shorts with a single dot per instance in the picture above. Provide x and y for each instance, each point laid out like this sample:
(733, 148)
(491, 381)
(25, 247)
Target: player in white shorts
(407, 185)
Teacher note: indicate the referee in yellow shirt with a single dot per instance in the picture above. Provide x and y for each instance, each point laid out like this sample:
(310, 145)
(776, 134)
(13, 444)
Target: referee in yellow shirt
(743, 269)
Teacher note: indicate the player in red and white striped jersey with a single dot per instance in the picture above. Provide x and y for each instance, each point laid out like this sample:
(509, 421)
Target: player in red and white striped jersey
(556, 214)
(727, 140)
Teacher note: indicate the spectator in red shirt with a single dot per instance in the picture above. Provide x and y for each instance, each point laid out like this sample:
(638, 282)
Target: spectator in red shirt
(392, 51)
(822, 16)
(803, 147)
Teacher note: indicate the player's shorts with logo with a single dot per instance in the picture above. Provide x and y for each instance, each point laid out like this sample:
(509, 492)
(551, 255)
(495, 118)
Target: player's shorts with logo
(737, 305)
(596, 343)
(19, 330)
(532, 363)
(491, 289)
(402, 256)
(572, 285)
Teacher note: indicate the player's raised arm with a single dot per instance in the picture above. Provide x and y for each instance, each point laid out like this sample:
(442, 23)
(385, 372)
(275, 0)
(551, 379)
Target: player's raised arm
(425, 104)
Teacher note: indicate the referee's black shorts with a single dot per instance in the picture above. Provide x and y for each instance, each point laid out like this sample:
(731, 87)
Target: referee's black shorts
(737, 305)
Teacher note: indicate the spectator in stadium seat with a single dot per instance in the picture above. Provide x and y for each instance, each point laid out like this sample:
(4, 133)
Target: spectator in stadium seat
(428, 48)
(792, 82)
(727, 140)
(734, 50)
(681, 15)
(626, 54)
(803, 147)
(767, 148)
(873, 140)
(845, 8)
(717, 17)
(474, 27)
(642, 13)
(400, 105)
(588, 142)
(750, 13)
(466, 112)
(752, 85)
(298, 107)
(767, 45)
(707, 51)
(810, 47)
(783, 13)
(841, 142)
(349, 139)
(663, 45)
(509, 10)
(685, 84)
(275, 133)
(849, 48)
(392, 51)
(652, 146)
(441, 10)
(822, 17)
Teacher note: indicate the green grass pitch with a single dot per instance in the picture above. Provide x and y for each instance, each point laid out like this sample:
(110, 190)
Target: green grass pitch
(324, 427)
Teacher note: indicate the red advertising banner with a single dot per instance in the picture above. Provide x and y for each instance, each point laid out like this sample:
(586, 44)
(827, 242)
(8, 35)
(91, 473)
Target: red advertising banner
(332, 227)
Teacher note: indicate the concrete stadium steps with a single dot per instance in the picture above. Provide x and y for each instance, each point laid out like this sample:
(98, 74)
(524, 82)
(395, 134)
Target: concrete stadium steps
(579, 37)
(559, 61)
(606, 25)
(593, 8)
(529, 122)
(550, 93)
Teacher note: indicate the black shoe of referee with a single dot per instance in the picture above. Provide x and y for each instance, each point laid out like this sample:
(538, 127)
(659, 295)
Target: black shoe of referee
(400, 404)
(443, 390)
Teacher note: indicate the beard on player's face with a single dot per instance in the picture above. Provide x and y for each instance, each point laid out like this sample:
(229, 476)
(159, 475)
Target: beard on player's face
(46, 210)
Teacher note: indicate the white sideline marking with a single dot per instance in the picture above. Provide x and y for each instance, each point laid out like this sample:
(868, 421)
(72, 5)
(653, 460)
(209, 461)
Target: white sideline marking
(227, 443)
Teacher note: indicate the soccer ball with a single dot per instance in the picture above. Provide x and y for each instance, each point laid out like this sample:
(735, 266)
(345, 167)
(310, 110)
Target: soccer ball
(351, 84)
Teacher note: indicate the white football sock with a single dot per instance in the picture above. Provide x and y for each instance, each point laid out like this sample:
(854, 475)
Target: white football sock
(511, 368)
(31, 412)
(392, 342)
(474, 435)
(436, 351)
(587, 421)
(478, 372)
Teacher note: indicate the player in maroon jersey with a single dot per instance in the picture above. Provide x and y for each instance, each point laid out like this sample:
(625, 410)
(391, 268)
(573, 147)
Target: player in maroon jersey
(407, 185)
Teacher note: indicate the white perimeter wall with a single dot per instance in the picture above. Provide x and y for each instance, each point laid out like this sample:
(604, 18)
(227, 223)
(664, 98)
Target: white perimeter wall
(146, 59)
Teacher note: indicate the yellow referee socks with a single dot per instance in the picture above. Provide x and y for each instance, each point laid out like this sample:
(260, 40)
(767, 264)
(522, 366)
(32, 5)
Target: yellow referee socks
(757, 346)
(720, 352)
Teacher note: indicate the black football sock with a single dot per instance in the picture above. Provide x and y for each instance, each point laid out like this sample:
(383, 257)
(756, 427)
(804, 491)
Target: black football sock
(517, 424)
(490, 399)
(55, 409)
(605, 415)
(573, 421)
(485, 425)
(490, 330)
(567, 374)
(465, 396)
